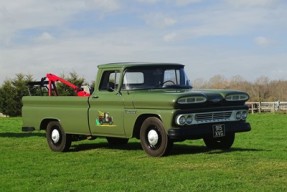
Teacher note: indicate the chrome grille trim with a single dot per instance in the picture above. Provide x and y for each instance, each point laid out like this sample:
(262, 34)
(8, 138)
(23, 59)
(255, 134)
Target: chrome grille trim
(213, 116)
(210, 117)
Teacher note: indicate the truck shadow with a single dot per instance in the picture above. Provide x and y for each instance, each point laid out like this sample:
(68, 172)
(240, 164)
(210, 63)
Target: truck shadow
(178, 149)
(132, 146)
(21, 135)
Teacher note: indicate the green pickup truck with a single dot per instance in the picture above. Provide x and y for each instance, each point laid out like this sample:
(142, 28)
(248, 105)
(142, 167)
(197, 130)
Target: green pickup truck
(153, 102)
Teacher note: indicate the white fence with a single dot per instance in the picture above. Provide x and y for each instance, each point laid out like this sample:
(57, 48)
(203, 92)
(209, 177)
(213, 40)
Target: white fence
(258, 107)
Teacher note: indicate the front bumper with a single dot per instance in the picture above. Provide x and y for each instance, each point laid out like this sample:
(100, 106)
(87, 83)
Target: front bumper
(202, 130)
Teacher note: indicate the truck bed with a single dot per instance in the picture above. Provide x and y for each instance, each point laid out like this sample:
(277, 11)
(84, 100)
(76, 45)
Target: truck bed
(72, 112)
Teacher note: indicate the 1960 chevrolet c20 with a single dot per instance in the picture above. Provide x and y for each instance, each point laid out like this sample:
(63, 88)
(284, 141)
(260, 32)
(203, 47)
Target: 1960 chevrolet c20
(153, 102)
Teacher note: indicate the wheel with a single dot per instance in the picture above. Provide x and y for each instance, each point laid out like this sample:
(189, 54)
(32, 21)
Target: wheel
(219, 143)
(117, 141)
(57, 139)
(154, 140)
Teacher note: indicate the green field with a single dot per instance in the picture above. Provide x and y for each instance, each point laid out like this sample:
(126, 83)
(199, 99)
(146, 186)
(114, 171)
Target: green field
(257, 162)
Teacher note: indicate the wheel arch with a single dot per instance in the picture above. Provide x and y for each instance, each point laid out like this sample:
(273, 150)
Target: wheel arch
(45, 122)
(139, 121)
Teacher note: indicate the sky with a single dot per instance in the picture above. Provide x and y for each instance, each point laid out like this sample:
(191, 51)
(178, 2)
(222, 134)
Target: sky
(230, 38)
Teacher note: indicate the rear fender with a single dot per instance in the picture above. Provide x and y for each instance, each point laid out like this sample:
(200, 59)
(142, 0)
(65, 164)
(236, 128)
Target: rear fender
(45, 122)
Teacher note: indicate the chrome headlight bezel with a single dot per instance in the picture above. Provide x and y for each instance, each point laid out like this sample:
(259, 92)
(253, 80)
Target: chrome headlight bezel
(181, 120)
(184, 119)
(241, 115)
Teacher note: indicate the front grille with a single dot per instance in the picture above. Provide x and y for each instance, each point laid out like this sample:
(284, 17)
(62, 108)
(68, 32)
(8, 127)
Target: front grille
(213, 116)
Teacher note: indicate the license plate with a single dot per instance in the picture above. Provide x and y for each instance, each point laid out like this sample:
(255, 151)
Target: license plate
(218, 130)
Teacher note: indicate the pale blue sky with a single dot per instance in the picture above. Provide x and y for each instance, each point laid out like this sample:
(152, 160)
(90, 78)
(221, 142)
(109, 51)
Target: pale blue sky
(211, 37)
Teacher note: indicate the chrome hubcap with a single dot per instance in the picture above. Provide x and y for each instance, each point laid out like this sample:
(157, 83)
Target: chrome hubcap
(152, 137)
(55, 136)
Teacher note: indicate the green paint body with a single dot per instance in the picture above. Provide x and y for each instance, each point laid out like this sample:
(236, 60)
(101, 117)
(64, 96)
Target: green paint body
(116, 113)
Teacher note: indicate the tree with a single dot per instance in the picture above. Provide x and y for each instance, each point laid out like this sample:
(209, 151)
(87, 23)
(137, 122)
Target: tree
(7, 102)
(11, 94)
(218, 82)
(199, 83)
(262, 88)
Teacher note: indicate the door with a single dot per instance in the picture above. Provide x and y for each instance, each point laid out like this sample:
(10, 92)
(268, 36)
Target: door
(107, 107)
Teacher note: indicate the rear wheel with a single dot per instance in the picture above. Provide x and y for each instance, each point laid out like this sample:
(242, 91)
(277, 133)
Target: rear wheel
(57, 139)
(154, 140)
(219, 143)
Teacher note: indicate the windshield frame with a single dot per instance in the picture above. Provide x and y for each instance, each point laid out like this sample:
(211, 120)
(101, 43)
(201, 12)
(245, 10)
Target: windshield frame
(154, 78)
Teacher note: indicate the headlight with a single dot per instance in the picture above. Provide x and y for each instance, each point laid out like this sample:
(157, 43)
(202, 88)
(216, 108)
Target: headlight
(238, 115)
(181, 120)
(244, 115)
(237, 97)
(185, 119)
(188, 120)
(191, 100)
(241, 115)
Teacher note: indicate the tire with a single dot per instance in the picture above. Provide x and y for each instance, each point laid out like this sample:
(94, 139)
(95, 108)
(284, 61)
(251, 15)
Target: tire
(219, 143)
(113, 141)
(57, 139)
(154, 140)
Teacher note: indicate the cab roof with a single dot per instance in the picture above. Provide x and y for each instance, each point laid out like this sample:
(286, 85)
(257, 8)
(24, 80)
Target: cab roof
(135, 64)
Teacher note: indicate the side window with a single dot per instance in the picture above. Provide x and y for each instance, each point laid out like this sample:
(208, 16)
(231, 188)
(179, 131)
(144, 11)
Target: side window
(110, 81)
(172, 76)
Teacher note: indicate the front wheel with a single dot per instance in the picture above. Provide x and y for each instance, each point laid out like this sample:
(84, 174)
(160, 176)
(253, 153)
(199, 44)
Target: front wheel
(154, 140)
(219, 143)
(57, 139)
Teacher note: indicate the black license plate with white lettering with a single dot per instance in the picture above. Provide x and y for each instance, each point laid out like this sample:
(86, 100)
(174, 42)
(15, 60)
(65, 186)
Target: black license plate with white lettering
(218, 130)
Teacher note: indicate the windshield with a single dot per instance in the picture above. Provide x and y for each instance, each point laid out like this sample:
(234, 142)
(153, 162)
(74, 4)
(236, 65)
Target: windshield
(156, 77)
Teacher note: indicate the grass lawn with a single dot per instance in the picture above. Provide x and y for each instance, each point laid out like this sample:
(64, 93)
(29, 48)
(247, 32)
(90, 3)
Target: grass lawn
(256, 162)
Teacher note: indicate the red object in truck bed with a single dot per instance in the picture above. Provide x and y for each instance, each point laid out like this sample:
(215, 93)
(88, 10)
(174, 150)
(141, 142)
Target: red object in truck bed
(54, 78)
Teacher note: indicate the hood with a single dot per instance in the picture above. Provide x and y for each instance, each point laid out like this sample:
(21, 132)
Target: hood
(187, 98)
